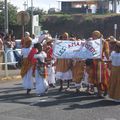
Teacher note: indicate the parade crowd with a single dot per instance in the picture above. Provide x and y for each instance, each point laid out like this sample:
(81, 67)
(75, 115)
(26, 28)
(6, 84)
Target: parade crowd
(8, 46)
(40, 69)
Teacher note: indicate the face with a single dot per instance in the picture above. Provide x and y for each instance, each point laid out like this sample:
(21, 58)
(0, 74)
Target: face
(49, 43)
(94, 37)
(65, 37)
(44, 47)
(9, 38)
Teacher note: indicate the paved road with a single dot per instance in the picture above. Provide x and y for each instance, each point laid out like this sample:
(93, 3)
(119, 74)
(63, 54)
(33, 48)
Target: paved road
(16, 105)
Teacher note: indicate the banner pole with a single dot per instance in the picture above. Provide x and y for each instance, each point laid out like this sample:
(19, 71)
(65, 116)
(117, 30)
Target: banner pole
(54, 43)
(101, 59)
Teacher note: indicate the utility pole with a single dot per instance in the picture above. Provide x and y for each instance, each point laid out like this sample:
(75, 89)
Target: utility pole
(31, 16)
(25, 5)
(6, 17)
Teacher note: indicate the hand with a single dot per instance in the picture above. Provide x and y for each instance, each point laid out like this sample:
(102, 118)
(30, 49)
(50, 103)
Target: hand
(99, 60)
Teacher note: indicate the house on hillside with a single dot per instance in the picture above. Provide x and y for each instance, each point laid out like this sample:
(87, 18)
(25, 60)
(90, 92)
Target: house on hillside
(84, 6)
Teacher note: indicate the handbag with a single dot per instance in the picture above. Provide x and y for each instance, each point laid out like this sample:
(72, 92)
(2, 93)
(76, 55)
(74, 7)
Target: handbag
(20, 60)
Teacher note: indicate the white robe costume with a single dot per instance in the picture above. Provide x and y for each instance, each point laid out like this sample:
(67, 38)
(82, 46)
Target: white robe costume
(41, 83)
(28, 78)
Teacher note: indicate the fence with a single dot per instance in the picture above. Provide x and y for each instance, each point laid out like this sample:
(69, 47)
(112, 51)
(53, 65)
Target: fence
(6, 63)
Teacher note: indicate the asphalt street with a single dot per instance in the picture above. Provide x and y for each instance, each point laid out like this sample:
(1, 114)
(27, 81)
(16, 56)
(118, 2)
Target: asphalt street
(66, 105)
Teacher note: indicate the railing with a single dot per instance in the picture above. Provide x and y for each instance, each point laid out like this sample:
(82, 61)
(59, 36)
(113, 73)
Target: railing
(6, 63)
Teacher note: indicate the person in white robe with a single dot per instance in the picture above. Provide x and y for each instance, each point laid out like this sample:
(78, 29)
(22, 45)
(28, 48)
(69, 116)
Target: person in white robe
(40, 72)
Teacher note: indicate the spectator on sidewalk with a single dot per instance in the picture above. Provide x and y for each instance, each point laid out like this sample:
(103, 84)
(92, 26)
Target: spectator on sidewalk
(9, 45)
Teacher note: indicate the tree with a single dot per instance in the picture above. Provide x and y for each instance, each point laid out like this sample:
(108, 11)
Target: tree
(2, 15)
(12, 12)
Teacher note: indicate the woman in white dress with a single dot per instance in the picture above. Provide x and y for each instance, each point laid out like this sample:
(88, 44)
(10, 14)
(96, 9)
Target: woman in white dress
(41, 72)
(114, 84)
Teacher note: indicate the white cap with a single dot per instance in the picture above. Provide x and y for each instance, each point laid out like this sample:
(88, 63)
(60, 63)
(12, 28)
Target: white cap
(27, 34)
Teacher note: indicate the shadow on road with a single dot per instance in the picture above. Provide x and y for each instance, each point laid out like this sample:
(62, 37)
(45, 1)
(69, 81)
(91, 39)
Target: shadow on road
(54, 98)
(101, 103)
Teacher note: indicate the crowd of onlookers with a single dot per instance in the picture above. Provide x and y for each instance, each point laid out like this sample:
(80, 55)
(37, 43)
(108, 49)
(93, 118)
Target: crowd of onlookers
(8, 46)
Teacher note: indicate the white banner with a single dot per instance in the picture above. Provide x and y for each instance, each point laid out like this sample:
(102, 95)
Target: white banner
(77, 49)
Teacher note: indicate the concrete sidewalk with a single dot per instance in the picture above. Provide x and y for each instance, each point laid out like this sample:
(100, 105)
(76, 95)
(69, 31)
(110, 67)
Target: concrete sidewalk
(10, 78)
(12, 75)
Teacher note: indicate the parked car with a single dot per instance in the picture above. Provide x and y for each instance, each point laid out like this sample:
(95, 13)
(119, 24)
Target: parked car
(18, 43)
(17, 52)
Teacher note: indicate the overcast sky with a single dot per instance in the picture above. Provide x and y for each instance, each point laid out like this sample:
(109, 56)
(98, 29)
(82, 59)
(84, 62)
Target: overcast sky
(42, 4)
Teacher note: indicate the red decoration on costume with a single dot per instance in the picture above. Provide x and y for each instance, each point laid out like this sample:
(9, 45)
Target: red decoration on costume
(49, 52)
(32, 59)
(31, 56)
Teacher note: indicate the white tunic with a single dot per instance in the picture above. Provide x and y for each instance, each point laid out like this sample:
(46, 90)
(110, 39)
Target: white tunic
(115, 58)
(27, 79)
(25, 52)
(10, 55)
(51, 73)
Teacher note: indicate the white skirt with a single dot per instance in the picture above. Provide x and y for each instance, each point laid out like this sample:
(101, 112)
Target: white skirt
(10, 56)
(64, 75)
(51, 75)
(28, 80)
(41, 83)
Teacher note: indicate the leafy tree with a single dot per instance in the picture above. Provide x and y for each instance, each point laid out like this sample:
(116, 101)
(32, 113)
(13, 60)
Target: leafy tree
(12, 12)
(2, 15)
